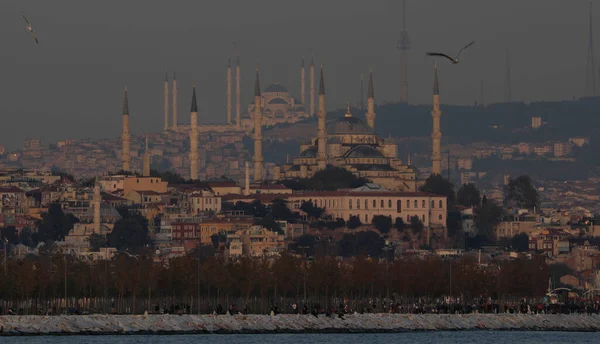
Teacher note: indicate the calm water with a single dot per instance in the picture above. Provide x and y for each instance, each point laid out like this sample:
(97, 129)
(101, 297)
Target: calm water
(412, 338)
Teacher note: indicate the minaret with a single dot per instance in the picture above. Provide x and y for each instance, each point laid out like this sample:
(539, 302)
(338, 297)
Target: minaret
(194, 137)
(302, 84)
(371, 103)
(258, 158)
(96, 200)
(146, 169)
(312, 86)
(125, 136)
(436, 135)
(362, 92)
(322, 129)
(237, 92)
(229, 92)
(174, 102)
(166, 127)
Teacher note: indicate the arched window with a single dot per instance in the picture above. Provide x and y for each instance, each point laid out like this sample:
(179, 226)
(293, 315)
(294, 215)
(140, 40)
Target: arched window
(416, 204)
(398, 206)
(383, 204)
(390, 203)
(423, 218)
(423, 204)
(440, 217)
(432, 204)
(366, 204)
(350, 204)
(407, 204)
(374, 204)
(357, 204)
(366, 218)
(441, 204)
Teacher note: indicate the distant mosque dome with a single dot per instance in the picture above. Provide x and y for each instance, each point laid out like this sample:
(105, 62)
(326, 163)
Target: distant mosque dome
(276, 88)
(310, 152)
(278, 101)
(348, 125)
(363, 152)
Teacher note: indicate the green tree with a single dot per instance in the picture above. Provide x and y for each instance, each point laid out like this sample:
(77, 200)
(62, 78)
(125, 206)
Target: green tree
(329, 179)
(281, 211)
(468, 196)
(487, 217)
(399, 224)
(353, 222)
(130, 234)
(521, 193)
(382, 223)
(436, 184)
(416, 225)
(97, 241)
(55, 224)
(311, 210)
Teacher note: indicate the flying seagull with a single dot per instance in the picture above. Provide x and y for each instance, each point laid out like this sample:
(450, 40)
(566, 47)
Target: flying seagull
(29, 29)
(454, 60)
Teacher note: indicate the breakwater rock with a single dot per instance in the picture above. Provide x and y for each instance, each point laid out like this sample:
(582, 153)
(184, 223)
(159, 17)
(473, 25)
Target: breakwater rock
(286, 323)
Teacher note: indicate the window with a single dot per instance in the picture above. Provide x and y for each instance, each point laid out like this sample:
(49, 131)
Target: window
(432, 204)
(407, 204)
(366, 218)
(423, 218)
(366, 204)
(423, 204)
(375, 204)
(350, 204)
(357, 204)
(416, 204)
(390, 203)
(398, 205)
(441, 204)
(440, 217)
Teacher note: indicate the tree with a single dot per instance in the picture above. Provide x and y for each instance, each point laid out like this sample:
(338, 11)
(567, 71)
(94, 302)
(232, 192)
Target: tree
(55, 224)
(436, 184)
(97, 241)
(382, 223)
(521, 193)
(487, 217)
(281, 211)
(355, 244)
(329, 179)
(468, 196)
(416, 225)
(353, 222)
(399, 224)
(255, 208)
(130, 234)
(311, 210)
(520, 242)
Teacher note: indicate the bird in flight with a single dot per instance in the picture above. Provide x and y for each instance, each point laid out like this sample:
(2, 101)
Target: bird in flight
(453, 59)
(29, 29)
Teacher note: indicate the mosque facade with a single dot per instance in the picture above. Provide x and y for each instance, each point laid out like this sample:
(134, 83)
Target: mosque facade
(278, 106)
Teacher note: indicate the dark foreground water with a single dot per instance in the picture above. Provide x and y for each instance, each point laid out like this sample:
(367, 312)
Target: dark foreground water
(475, 337)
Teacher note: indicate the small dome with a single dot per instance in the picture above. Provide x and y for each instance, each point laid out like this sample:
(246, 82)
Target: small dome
(364, 152)
(277, 101)
(348, 125)
(275, 87)
(310, 152)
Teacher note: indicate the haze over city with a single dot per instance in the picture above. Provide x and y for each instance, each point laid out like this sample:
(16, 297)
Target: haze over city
(71, 84)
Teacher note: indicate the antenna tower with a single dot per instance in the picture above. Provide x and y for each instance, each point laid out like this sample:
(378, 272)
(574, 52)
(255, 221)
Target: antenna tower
(404, 46)
(590, 71)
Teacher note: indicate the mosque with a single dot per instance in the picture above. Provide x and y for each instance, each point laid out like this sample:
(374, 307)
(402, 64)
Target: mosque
(278, 106)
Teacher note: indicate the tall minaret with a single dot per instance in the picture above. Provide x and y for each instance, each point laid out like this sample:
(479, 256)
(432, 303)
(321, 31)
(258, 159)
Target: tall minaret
(237, 92)
(436, 135)
(258, 158)
(322, 129)
(96, 200)
(362, 92)
(125, 136)
(302, 84)
(166, 101)
(174, 102)
(229, 91)
(371, 103)
(194, 137)
(146, 168)
(312, 86)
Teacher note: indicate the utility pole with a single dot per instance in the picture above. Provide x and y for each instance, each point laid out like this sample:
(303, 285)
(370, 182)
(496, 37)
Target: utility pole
(404, 46)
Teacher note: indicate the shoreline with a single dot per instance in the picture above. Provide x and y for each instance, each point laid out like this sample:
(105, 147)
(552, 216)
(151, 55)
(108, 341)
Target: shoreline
(72, 325)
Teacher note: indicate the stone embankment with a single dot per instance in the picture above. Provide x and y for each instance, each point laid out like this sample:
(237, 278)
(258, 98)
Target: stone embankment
(354, 323)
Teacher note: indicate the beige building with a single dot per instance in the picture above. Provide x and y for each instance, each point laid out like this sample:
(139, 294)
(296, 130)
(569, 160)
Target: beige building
(255, 241)
(536, 122)
(128, 184)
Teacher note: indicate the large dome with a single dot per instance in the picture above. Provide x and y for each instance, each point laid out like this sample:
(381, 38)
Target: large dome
(364, 152)
(275, 87)
(348, 125)
(277, 101)
(310, 152)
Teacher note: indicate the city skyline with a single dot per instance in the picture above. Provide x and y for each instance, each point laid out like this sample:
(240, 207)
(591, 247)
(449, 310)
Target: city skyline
(92, 52)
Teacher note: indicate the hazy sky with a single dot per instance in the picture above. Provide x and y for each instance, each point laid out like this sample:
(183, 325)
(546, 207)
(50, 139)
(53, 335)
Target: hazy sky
(70, 86)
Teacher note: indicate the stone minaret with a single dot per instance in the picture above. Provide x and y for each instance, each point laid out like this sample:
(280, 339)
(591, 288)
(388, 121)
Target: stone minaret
(238, 120)
(194, 137)
(258, 158)
(166, 101)
(174, 102)
(96, 200)
(125, 136)
(229, 92)
(302, 84)
(436, 135)
(371, 103)
(322, 129)
(146, 169)
(312, 86)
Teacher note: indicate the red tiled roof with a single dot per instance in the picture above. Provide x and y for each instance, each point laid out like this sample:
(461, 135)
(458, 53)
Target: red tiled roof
(268, 187)
(11, 189)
